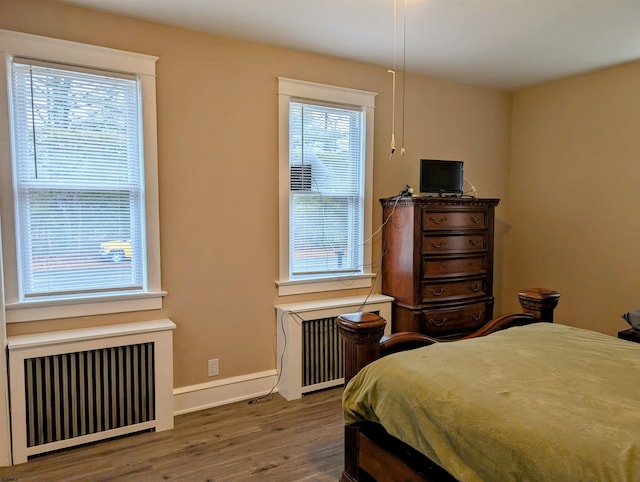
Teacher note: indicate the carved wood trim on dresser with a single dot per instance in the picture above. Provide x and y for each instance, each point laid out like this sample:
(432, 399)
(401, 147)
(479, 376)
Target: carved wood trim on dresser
(438, 263)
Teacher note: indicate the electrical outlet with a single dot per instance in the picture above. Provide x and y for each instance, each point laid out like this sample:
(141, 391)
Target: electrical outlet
(213, 367)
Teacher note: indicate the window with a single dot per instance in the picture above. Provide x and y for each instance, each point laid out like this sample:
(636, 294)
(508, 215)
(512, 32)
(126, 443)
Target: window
(77, 181)
(325, 186)
(79, 213)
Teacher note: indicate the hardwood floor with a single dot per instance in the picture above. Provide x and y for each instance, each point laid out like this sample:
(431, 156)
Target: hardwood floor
(269, 440)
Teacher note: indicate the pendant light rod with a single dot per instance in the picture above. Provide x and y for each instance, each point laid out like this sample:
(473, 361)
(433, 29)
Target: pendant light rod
(393, 81)
(393, 73)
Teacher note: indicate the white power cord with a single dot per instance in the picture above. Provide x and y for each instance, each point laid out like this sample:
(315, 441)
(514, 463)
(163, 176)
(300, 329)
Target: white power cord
(472, 191)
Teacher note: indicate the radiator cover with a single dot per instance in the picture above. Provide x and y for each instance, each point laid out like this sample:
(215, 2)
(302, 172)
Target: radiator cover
(78, 386)
(81, 393)
(310, 350)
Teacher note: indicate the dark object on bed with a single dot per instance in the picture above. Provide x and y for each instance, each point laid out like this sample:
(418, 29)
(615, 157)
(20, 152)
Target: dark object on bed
(372, 454)
(629, 335)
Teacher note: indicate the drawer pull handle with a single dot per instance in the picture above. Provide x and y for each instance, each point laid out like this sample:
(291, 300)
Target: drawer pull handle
(441, 244)
(438, 221)
(475, 288)
(476, 317)
(476, 219)
(436, 293)
(475, 243)
(438, 322)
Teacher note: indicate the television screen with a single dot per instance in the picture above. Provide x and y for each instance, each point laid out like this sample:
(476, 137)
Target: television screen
(441, 177)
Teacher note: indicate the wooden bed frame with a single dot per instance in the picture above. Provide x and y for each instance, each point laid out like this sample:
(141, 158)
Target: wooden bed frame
(372, 454)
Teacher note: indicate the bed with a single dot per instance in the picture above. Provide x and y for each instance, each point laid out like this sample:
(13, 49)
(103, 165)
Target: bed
(533, 400)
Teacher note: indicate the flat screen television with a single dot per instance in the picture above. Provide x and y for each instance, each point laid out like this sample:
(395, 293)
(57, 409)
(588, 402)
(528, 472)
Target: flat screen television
(441, 177)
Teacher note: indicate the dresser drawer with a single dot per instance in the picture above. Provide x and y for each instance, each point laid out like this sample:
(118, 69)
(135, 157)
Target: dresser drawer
(434, 220)
(451, 244)
(461, 320)
(452, 266)
(455, 290)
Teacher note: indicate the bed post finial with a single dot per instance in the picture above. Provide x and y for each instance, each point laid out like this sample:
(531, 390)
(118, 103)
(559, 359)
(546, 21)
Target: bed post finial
(539, 302)
(361, 333)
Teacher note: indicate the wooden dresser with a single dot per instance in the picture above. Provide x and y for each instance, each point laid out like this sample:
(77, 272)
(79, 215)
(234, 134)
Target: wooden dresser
(438, 263)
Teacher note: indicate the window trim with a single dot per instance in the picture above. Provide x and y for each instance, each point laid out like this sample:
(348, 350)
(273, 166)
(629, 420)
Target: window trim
(18, 44)
(299, 89)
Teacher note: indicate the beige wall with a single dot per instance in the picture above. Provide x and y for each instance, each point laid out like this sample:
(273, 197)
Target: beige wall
(218, 169)
(574, 197)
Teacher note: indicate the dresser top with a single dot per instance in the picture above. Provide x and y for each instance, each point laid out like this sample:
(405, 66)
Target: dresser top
(420, 200)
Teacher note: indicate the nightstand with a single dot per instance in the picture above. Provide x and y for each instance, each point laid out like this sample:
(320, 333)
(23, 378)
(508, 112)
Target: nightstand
(630, 335)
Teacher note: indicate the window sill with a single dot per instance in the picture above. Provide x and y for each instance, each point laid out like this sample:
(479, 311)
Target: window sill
(297, 287)
(69, 308)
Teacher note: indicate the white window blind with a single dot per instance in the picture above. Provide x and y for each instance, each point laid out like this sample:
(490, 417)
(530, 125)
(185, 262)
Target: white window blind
(326, 161)
(78, 181)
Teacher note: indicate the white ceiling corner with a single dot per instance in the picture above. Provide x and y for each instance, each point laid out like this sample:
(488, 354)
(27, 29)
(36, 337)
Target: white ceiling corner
(505, 44)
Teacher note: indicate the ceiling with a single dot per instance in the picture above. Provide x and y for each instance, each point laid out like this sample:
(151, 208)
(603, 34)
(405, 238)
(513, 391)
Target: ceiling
(506, 44)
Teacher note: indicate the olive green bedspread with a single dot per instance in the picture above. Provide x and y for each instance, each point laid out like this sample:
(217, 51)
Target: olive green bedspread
(540, 402)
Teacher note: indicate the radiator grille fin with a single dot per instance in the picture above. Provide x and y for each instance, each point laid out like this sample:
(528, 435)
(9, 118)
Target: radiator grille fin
(321, 351)
(81, 393)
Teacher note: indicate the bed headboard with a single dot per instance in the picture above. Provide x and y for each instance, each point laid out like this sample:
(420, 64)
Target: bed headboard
(364, 343)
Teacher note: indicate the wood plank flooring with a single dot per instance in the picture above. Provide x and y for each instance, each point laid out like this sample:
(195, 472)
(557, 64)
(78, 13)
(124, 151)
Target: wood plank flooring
(269, 440)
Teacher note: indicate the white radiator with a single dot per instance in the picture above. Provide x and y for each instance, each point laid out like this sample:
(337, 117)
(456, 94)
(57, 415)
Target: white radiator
(310, 350)
(77, 386)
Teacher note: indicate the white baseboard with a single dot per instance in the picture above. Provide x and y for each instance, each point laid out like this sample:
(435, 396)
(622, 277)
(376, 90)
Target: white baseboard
(220, 392)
